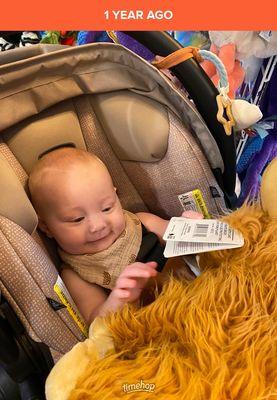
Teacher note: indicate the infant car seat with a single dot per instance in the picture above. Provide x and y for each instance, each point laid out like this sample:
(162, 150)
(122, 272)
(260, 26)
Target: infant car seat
(103, 98)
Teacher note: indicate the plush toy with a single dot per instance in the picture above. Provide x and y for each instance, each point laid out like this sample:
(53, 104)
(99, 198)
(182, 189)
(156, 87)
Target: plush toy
(260, 44)
(250, 47)
(12, 39)
(59, 37)
(269, 191)
(211, 338)
(245, 114)
(135, 46)
(250, 186)
(253, 145)
(85, 37)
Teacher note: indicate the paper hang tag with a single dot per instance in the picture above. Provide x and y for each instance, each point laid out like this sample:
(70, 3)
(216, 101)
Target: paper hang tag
(201, 231)
(174, 249)
(190, 236)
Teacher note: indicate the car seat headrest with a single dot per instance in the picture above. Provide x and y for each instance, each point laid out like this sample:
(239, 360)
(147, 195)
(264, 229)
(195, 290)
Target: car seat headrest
(137, 127)
(14, 202)
(54, 127)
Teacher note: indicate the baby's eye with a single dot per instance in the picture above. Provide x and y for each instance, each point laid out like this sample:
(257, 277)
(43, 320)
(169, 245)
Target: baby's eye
(79, 219)
(107, 209)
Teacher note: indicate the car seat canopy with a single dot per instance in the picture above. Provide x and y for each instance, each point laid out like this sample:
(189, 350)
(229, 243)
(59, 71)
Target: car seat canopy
(36, 83)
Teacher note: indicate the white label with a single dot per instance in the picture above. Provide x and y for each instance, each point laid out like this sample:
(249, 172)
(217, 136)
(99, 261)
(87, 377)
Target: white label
(266, 35)
(190, 236)
(194, 201)
(187, 202)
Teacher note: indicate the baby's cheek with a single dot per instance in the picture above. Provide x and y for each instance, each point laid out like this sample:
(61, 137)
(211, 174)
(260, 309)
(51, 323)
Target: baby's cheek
(73, 237)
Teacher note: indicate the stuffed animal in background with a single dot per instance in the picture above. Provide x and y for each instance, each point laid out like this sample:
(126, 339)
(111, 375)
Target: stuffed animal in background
(242, 53)
(266, 151)
(250, 48)
(211, 338)
(261, 44)
(59, 37)
(12, 39)
(85, 37)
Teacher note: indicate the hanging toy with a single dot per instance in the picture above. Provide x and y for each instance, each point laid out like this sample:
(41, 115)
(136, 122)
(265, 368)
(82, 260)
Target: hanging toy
(241, 114)
(237, 114)
(224, 114)
(234, 69)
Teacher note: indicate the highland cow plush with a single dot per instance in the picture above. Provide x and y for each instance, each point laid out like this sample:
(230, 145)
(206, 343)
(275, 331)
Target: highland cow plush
(211, 338)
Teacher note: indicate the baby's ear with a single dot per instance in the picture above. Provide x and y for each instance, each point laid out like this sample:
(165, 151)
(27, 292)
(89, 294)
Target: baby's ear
(115, 189)
(43, 227)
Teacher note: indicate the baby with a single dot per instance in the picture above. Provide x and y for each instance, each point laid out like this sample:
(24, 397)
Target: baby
(99, 242)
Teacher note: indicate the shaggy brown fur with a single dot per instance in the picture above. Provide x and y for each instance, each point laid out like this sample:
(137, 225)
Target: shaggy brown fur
(213, 338)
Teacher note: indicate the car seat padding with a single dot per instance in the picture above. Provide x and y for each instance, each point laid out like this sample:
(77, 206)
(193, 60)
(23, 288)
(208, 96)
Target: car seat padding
(27, 280)
(14, 202)
(137, 127)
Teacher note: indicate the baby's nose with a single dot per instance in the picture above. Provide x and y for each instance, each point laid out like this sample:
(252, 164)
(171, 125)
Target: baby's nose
(97, 224)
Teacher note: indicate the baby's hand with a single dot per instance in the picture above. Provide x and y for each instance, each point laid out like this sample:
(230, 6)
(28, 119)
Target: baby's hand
(192, 215)
(132, 280)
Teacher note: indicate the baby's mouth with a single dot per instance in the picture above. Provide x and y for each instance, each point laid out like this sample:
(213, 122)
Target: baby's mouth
(98, 239)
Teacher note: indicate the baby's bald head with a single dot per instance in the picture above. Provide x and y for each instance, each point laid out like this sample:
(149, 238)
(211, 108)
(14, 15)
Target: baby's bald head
(55, 165)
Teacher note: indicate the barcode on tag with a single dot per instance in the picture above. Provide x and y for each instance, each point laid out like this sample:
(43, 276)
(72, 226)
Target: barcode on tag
(201, 230)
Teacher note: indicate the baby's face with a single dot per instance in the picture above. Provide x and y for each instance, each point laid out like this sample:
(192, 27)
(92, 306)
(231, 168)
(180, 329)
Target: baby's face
(84, 214)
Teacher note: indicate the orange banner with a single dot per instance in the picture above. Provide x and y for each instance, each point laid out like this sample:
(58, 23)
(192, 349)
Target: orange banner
(138, 15)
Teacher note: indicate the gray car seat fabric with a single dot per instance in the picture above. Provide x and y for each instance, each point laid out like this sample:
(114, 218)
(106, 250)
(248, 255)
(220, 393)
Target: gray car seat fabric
(107, 100)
